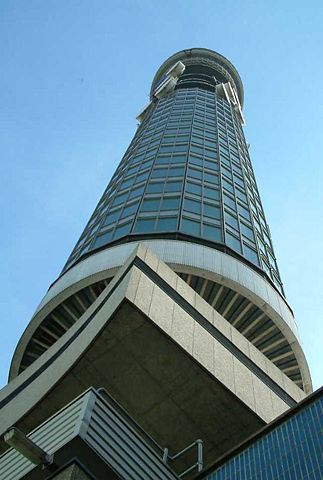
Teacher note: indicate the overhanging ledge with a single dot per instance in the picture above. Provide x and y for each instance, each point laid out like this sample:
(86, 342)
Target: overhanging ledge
(182, 257)
(166, 304)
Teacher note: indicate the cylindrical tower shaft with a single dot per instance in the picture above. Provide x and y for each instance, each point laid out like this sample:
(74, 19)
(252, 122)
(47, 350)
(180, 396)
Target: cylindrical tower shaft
(186, 188)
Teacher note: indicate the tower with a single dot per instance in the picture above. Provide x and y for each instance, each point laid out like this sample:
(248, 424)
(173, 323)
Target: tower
(171, 300)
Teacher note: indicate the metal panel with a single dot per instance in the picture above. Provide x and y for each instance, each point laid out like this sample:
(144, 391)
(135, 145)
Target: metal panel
(122, 447)
(50, 436)
(94, 420)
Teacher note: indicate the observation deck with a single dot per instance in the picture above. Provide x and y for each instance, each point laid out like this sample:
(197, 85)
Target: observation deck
(202, 61)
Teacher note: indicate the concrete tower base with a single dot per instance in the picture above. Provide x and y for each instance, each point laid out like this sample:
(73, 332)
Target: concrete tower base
(166, 356)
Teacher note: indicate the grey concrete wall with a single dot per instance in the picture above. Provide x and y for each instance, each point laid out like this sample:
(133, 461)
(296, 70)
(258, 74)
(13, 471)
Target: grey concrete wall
(72, 472)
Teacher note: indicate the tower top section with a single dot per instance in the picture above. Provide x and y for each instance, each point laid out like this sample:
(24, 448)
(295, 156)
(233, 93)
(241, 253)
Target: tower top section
(201, 62)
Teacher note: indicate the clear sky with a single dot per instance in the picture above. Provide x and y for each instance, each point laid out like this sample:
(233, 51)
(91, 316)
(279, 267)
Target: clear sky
(74, 75)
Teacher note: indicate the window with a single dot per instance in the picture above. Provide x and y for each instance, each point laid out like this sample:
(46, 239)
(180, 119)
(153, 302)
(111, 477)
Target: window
(159, 173)
(251, 254)
(198, 140)
(141, 176)
(229, 201)
(129, 210)
(231, 220)
(192, 206)
(171, 203)
(265, 266)
(166, 149)
(180, 148)
(210, 153)
(262, 246)
(176, 172)
(150, 204)
(122, 230)
(173, 186)
(163, 160)
(191, 227)
(225, 161)
(126, 183)
(233, 242)
(136, 192)
(212, 233)
(245, 230)
(227, 185)
(155, 187)
(169, 139)
(211, 211)
(196, 161)
(212, 193)
(243, 212)
(272, 261)
(197, 150)
(227, 172)
(194, 173)
(224, 150)
(146, 164)
(178, 159)
(211, 178)
(144, 225)
(132, 170)
(236, 168)
(238, 181)
(166, 224)
(112, 217)
(193, 188)
(103, 239)
(120, 199)
(211, 165)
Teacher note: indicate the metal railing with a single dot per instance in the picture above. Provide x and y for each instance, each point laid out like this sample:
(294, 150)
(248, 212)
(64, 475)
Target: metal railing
(198, 464)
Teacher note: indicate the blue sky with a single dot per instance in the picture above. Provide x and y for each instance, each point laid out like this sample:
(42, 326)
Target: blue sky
(74, 76)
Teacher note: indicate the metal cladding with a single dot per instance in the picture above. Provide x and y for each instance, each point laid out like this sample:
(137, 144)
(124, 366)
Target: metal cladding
(187, 171)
